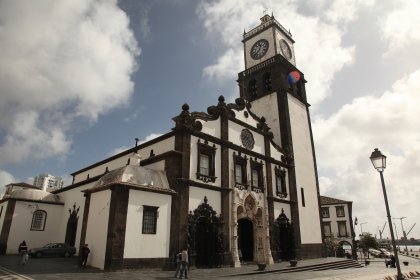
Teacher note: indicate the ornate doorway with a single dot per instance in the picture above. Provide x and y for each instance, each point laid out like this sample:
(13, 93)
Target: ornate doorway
(246, 240)
(285, 238)
(205, 237)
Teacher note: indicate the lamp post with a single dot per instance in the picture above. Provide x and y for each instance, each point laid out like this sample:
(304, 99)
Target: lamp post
(379, 162)
(403, 232)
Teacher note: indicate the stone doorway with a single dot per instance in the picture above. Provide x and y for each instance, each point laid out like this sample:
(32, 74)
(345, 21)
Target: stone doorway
(246, 240)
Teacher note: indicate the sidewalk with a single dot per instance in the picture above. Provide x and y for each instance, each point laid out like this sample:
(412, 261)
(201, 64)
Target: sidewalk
(67, 268)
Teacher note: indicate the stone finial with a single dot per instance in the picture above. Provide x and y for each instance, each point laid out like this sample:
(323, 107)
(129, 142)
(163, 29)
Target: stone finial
(135, 159)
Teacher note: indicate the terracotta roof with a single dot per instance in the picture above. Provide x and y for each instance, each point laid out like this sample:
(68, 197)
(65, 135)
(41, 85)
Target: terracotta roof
(330, 200)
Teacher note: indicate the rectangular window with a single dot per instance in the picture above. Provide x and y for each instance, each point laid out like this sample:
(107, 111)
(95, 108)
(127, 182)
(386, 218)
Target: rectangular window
(340, 211)
(342, 229)
(302, 193)
(149, 219)
(255, 178)
(325, 212)
(38, 220)
(204, 164)
(281, 190)
(327, 229)
(238, 174)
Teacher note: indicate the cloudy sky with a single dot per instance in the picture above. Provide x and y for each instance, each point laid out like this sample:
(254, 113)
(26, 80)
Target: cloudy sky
(79, 80)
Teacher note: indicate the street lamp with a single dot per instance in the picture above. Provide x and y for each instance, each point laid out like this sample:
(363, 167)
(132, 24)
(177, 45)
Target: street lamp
(379, 162)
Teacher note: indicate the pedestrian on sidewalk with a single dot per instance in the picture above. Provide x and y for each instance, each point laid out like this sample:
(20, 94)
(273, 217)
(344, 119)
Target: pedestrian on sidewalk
(22, 253)
(184, 264)
(178, 261)
(85, 251)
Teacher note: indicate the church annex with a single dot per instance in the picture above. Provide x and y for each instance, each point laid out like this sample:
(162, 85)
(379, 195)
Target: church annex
(235, 183)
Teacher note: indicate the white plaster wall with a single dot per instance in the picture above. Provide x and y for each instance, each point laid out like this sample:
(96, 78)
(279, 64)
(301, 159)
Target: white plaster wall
(3, 213)
(240, 115)
(267, 107)
(193, 161)
(268, 35)
(97, 227)
(211, 127)
(197, 197)
(279, 36)
(235, 137)
(138, 245)
(158, 148)
(21, 226)
(277, 210)
(71, 197)
(334, 219)
(305, 173)
(160, 165)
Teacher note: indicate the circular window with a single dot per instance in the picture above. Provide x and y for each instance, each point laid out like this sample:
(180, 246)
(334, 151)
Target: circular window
(247, 139)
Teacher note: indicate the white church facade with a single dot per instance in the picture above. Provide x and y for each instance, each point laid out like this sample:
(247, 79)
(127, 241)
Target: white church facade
(238, 182)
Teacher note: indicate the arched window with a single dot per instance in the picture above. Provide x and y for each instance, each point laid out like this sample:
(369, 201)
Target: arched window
(267, 82)
(38, 220)
(253, 89)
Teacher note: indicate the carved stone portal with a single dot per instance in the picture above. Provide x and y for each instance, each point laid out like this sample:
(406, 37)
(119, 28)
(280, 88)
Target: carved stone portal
(249, 227)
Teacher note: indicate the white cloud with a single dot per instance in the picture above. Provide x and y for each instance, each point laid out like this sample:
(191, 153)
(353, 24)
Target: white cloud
(150, 137)
(316, 44)
(61, 60)
(5, 179)
(400, 25)
(345, 141)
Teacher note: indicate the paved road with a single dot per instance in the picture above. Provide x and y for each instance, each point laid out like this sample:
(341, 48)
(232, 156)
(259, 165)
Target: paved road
(67, 269)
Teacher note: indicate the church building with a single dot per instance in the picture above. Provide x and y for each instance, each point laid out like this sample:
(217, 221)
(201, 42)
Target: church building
(235, 184)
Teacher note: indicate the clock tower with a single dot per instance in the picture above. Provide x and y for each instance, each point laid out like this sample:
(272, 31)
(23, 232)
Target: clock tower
(275, 89)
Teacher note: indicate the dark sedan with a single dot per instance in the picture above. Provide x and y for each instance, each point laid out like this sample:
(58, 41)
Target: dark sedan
(53, 249)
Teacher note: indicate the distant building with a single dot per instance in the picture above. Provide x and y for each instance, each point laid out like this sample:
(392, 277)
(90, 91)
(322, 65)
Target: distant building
(337, 221)
(47, 182)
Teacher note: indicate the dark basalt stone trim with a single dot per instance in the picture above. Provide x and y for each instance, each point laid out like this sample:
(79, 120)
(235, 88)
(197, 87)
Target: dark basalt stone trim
(85, 220)
(117, 223)
(206, 186)
(32, 200)
(276, 199)
(7, 223)
(240, 149)
(312, 251)
(130, 186)
(145, 263)
(129, 151)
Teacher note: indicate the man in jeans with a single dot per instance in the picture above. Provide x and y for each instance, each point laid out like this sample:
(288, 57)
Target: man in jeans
(23, 252)
(184, 264)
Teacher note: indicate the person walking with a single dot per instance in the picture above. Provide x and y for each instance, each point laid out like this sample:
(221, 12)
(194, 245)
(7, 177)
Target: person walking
(178, 260)
(22, 253)
(85, 251)
(184, 264)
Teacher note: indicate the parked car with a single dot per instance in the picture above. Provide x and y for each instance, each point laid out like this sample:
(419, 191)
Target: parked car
(53, 249)
(375, 253)
(385, 253)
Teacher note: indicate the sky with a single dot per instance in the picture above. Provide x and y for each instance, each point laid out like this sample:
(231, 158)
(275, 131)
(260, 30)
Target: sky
(80, 80)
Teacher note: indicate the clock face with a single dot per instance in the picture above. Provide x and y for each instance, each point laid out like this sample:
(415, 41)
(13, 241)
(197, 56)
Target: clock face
(285, 49)
(247, 139)
(259, 49)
